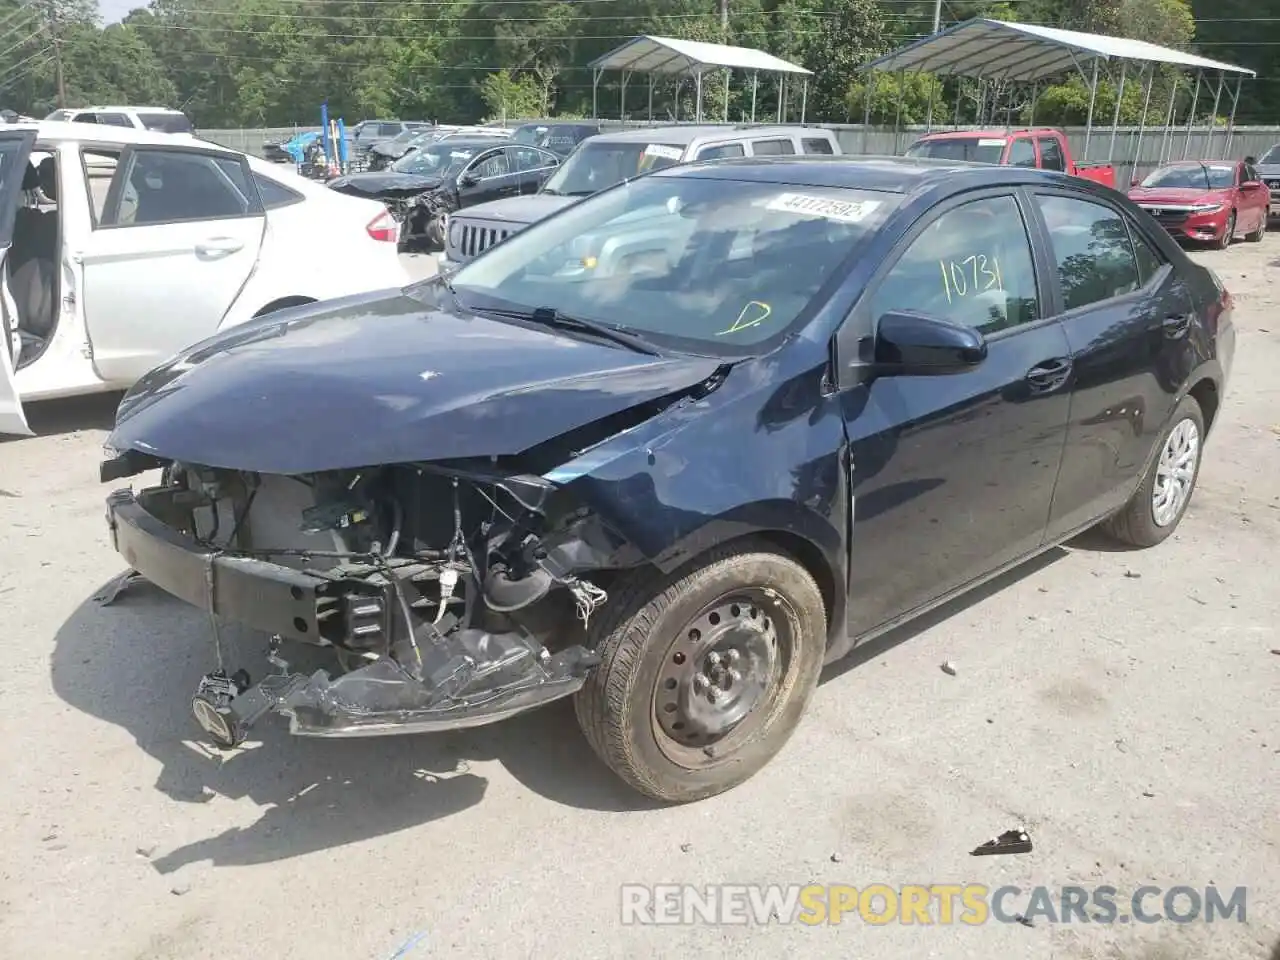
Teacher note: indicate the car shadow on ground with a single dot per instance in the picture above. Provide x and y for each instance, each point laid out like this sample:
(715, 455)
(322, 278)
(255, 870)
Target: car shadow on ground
(51, 418)
(136, 662)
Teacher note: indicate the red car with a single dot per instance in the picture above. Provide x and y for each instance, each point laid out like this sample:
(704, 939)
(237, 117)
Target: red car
(1211, 201)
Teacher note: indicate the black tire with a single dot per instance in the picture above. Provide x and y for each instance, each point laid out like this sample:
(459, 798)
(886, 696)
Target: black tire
(1135, 524)
(641, 636)
(1257, 235)
(1229, 233)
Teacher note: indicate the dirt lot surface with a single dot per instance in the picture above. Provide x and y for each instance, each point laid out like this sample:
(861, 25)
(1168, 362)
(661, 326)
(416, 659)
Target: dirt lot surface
(1124, 707)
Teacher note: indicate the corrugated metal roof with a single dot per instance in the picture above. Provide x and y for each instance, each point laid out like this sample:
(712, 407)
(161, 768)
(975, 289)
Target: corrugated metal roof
(669, 55)
(1023, 51)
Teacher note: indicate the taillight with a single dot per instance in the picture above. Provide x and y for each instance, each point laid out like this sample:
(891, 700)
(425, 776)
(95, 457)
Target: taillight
(384, 227)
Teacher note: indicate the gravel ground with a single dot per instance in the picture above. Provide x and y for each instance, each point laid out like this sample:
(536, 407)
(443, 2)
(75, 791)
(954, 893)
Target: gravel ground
(1122, 706)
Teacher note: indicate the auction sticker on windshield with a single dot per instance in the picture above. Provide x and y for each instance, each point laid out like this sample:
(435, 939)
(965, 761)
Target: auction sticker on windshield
(991, 142)
(662, 150)
(845, 211)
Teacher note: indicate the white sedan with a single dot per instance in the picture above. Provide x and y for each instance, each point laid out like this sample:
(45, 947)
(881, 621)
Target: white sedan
(121, 247)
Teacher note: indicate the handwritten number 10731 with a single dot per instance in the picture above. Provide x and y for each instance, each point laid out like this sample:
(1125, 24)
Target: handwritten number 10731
(973, 274)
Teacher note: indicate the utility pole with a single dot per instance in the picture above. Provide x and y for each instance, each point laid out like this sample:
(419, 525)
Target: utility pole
(937, 15)
(57, 59)
(724, 18)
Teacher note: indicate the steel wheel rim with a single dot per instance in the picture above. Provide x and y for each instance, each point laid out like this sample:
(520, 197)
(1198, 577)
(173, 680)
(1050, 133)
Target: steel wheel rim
(1175, 472)
(720, 678)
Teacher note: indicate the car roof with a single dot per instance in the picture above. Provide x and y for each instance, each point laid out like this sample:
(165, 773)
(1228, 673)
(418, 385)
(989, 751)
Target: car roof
(128, 109)
(887, 174)
(470, 140)
(1199, 163)
(102, 133)
(685, 135)
(999, 133)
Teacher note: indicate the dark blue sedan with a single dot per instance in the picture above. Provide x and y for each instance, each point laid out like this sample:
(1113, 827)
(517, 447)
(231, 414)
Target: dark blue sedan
(672, 449)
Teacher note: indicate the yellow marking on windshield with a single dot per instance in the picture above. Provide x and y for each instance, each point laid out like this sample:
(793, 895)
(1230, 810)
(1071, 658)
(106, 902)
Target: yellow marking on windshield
(745, 320)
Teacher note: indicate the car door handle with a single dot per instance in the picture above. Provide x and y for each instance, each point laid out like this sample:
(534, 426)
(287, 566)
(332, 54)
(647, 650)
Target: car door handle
(218, 246)
(1050, 374)
(1176, 327)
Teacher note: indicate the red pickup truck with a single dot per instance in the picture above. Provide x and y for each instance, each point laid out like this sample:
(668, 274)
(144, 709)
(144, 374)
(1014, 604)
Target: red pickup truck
(1043, 148)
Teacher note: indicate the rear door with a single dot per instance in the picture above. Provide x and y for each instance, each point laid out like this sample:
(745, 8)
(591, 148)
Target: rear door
(1051, 154)
(533, 166)
(15, 148)
(1128, 317)
(174, 242)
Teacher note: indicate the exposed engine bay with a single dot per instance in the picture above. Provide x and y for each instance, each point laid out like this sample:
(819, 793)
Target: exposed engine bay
(450, 597)
(419, 209)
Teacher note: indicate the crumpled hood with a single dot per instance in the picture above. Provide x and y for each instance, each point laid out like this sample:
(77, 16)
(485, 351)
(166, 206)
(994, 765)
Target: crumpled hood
(382, 378)
(522, 210)
(384, 183)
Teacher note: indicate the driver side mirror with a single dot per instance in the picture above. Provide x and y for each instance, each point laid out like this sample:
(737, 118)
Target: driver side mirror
(916, 345)
(1134, 181)
(468, 180)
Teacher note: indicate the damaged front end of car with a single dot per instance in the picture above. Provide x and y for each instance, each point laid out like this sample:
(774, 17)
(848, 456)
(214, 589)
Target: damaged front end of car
(420, 205)
(451, 595)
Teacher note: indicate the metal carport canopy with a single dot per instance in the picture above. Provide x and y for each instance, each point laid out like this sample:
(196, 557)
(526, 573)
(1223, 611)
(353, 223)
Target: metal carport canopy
(1021, 51)
(668, 55)
(657, 56)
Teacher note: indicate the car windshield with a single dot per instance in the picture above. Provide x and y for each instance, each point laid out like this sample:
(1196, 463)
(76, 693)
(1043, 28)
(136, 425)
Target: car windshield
(705, 266)
(436, 160)
(1192, 176)
(1272, 155)
(594, 166)
(972, 149)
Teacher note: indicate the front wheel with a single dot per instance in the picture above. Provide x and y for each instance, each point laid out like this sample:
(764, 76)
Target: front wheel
(704, 675)
(1156, 508)
(1229, 233)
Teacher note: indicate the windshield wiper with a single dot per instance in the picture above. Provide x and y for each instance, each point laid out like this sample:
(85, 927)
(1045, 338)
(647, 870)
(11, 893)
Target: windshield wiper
(551, 317)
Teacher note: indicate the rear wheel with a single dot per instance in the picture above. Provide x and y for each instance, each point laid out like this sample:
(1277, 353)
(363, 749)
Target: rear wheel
(1229, 233)
(704, 675)
(1156, 508)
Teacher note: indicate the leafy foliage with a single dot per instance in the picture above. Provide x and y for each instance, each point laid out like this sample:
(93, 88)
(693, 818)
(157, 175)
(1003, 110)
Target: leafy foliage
(271, 62)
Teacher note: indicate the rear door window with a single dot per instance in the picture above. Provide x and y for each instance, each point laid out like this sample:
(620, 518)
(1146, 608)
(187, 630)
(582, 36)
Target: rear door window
(165, 122)
(1022, 153)
(275, 194)
(388, 129)
(115, 119)
(1091, 247)
(816, 145)
(170, 186)
(772, 148)
(1051, 154)
(721, 151)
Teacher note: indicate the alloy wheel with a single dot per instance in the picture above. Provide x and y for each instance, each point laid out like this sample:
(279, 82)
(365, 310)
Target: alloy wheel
(1175, 473)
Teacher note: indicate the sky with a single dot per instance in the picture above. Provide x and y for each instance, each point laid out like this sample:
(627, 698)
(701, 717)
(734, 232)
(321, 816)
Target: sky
(113, 11)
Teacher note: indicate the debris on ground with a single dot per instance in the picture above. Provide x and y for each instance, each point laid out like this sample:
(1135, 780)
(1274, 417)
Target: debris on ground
(1148, 794)
(1025, 921)
(1133, 575)
(948, 668)
(1011, 841)
(835, 858)
(179, 889)
(146, 851)
(686, 847)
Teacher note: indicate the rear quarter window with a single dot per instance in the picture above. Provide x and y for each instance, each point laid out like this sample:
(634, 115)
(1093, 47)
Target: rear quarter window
(816, 145)
(772, 148)
(275, 194)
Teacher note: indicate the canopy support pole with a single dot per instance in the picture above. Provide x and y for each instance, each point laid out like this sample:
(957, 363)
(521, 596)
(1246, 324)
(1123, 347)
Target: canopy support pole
(1191, 117)
(1166, 135)
(1008, 112)
(1035, 99)
(782, 96)
(1093, 99)
(804, 98)
(866, 110)
(697, 82)
(1142, 124)
(1231, 123)
(755, 88)
(1115, 117)
(595, 93)
(679, 87)
(897, 117)
(1213, 117)
(727, 74)
(955, 120)
(928, 116)
(652, 77)
(622, 95)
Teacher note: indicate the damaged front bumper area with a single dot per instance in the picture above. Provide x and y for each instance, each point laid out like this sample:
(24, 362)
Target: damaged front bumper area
(429, 639)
